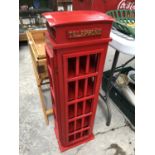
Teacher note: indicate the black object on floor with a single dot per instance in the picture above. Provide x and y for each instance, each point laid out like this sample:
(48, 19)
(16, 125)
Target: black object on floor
(122, 103)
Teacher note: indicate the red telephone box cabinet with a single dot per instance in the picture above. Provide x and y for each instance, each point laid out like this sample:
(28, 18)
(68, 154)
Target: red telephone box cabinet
(76, 47)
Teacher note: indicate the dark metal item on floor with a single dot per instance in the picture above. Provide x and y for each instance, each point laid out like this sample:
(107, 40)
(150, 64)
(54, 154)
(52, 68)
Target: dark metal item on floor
(108, 88)
(122, 102)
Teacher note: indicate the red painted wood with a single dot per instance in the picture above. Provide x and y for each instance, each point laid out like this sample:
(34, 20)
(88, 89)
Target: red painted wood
(75, 70)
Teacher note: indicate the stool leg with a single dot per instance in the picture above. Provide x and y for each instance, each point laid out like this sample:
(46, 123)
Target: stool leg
(43, 104)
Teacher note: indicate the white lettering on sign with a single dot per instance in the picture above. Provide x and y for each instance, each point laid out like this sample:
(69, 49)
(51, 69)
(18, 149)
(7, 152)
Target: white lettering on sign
(126, 5)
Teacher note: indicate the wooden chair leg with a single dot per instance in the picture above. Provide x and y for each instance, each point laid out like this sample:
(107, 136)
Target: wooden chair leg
(43, 105)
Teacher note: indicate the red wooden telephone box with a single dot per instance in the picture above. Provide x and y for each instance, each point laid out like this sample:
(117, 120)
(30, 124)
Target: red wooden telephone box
(76, 47)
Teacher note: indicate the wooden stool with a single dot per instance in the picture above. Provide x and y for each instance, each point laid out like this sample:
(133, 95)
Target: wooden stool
(36, 41)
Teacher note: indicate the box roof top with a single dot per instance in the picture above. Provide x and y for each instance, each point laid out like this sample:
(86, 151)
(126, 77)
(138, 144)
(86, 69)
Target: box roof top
(74, 17)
